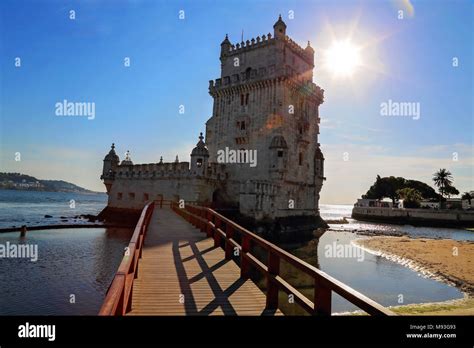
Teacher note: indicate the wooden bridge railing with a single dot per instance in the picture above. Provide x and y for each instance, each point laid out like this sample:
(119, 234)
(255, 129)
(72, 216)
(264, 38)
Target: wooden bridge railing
(225, 231)
(118, 299)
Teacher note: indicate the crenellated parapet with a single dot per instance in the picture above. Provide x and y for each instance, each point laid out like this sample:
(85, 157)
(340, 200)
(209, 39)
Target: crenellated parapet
(153, 170)
(244, 46)
(163, 170)
(231, 50)
(260, 79)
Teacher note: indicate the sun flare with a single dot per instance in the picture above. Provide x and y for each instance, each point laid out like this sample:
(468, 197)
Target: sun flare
(343, 58)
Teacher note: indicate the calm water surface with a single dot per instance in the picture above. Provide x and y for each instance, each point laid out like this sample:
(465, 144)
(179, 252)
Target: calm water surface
(376, 277)
(80, 262)
(30, 207)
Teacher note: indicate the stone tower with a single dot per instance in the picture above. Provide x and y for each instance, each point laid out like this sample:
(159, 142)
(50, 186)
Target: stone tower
(265, 101)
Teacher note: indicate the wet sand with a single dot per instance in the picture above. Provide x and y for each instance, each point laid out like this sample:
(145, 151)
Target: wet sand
(450, 260)
(445, 259)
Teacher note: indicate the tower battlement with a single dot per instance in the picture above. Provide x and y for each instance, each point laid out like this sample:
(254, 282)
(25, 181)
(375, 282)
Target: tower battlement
(266, 41)
(261, 78)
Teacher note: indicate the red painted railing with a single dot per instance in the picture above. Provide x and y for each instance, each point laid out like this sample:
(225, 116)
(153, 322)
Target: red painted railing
(227, 232)
(118, 299)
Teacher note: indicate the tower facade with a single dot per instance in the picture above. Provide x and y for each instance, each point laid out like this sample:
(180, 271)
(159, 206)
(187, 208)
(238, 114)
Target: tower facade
(266, 105)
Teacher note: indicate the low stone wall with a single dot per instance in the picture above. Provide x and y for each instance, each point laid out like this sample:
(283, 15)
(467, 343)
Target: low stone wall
(416, 217)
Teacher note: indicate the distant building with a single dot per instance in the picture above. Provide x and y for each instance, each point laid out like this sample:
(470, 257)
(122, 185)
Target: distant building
(429, 204)
(365, 203)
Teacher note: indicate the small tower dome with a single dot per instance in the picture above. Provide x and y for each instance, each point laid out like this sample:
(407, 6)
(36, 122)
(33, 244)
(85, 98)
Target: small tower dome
(111, 161)
(279, 29)
(199, 157)
(225, 46)
(309, 49)
(112, 155)
(200, 149)
(128, 160)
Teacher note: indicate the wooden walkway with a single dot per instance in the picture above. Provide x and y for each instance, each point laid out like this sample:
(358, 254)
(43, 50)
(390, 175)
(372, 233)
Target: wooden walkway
(182, 273)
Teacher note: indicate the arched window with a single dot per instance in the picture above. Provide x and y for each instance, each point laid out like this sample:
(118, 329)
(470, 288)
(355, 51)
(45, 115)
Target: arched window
(247, 73)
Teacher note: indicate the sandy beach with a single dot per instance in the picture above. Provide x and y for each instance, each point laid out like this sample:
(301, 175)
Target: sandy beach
(446, 259)
(449, 259)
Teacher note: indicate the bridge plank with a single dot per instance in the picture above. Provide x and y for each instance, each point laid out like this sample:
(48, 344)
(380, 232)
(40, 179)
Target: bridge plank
(182, 273)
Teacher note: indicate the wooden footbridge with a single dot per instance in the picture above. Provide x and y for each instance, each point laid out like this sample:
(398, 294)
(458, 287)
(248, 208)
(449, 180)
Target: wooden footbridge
(194, 261)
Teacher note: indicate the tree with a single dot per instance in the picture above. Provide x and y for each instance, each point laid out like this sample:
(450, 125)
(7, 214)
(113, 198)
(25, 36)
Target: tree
(467, 195)
(426, 191)
(385, 187)
(411, 197)
(450, 191)
(442, 179)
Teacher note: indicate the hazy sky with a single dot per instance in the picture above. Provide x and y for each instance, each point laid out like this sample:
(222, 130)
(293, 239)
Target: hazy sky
(172, 60)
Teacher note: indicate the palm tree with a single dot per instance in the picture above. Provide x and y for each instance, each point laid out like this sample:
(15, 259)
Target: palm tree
(442, 179)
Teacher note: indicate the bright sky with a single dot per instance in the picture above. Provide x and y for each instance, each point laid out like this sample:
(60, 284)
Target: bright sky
(172, 60)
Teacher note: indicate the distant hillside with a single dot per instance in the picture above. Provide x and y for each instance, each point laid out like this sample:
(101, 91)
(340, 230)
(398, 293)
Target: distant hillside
(17, 181)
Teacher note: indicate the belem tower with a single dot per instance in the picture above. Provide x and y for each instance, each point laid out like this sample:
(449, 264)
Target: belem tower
(266, 109)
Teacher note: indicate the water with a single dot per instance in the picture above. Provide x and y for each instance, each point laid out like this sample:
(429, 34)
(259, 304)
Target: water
(80, 262)
(83, 261)
(337, 212)
(30, 207)
(380, 279)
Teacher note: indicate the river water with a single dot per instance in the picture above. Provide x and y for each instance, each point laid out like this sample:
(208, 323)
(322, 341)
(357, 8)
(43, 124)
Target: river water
(75, 266)
(384, 281)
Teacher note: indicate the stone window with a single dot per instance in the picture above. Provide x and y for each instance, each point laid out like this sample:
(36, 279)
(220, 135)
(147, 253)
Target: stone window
(119, 196)
(131, 195)
(280, 153)
(244, 99)
(146, 197)
(199, 162)
(300, 158)
(247, 73)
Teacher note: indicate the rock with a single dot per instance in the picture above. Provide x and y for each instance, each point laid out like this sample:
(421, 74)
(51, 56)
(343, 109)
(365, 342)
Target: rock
(48, 216)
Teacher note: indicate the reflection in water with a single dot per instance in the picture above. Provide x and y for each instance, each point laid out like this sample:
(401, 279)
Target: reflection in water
(374, 276)
(79, 262)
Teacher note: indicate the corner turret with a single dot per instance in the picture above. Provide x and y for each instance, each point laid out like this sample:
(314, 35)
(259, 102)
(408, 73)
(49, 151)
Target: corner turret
(111, 162)
(225, 47)
(279, 29)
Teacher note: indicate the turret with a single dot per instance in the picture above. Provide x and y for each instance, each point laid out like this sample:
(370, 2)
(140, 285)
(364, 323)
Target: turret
(279, 29)
(128, 160)
(111, 162)
(225, 47)
(199, 157)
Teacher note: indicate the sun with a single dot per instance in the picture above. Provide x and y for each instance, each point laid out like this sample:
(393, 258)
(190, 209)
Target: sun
(342, 58)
